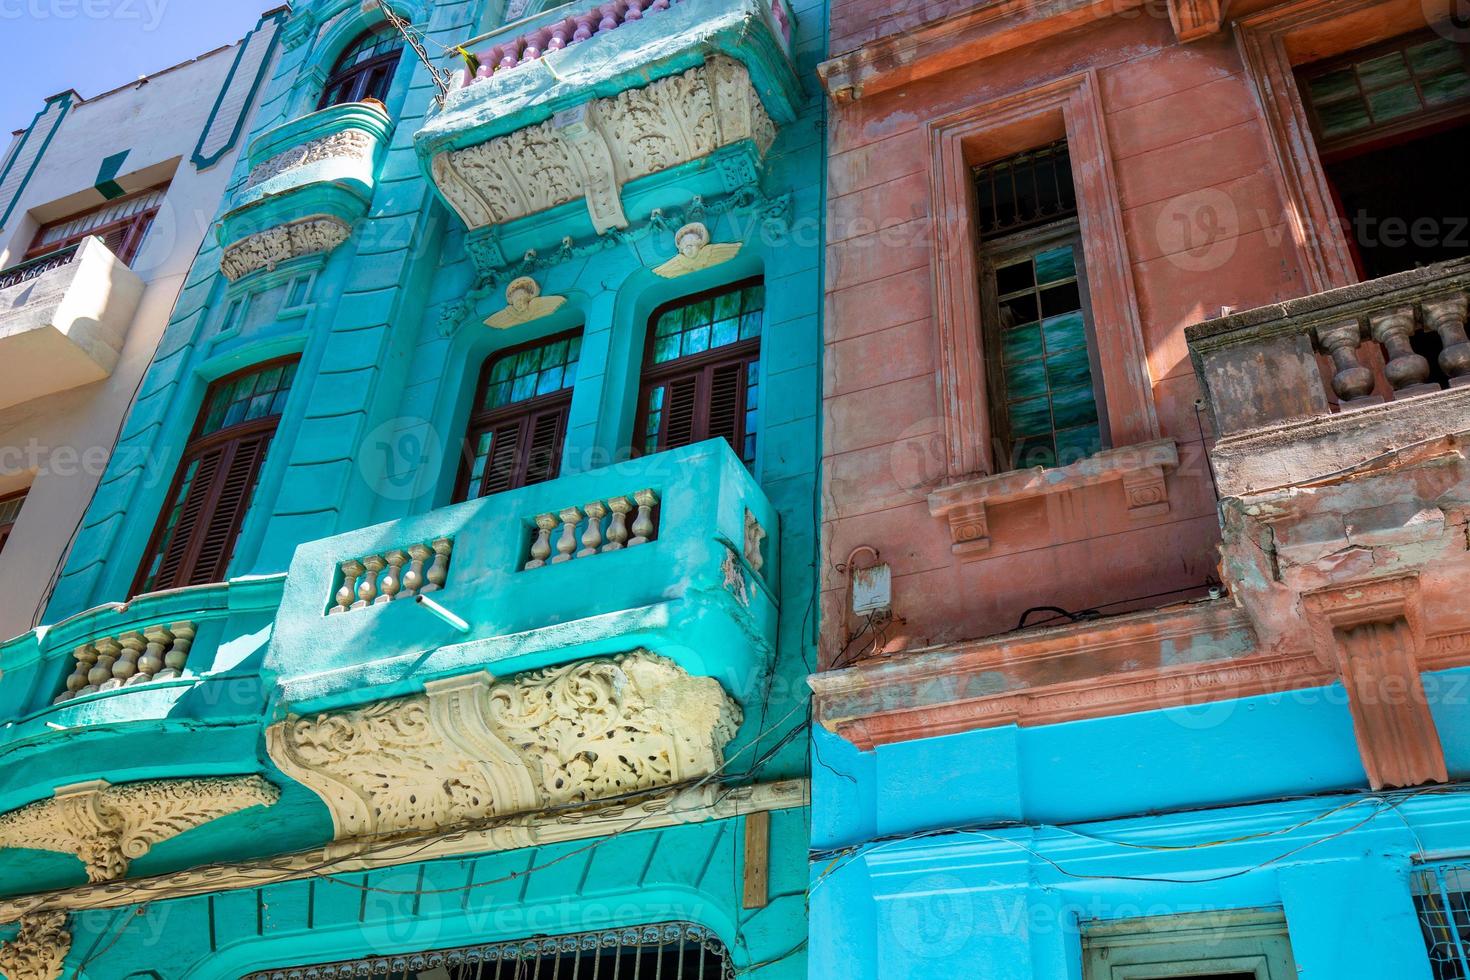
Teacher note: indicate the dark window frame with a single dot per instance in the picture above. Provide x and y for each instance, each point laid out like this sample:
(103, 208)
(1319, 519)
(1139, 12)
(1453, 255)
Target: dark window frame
(254, 436)
(998, 253)
(7, 527)
(701, 368)
(525, 413)
(135, 228)
(371, 79)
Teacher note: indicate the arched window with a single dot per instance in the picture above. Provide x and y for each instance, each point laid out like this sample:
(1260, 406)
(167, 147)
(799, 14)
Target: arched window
(365, 70)
(519, 420)
(195, 536)
(701, 372)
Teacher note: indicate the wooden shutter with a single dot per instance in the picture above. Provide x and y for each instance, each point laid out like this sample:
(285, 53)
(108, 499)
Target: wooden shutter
(543, 450)
(227, 512)
(681, 408)
(727, 403)
(524, 449)
(502, 469)
(191, 517)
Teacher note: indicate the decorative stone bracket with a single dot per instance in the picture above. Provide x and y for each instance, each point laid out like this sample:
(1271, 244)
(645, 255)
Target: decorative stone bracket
(1372, 635)
(108, 826)
(1195, 20)
(1141, 469)
(268, 249)
(471, 748)
(592, 150)
(40, 949)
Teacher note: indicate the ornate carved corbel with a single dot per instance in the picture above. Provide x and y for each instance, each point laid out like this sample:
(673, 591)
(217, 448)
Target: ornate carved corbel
(108, 826)
(38, 952)
(1195, 20)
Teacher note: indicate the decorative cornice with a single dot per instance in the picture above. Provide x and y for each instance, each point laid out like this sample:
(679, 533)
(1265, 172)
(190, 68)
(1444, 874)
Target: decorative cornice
(653, 812)
(108, 826)
(349, 143)
(470, 748)
(592, 150)
(40, 949)
(268, 249)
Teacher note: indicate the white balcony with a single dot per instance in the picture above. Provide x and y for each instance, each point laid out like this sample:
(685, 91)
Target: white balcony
(63, 320)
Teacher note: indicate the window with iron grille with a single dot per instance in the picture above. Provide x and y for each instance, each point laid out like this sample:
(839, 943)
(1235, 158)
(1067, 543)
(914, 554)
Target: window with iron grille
(672, 951)
(194, 539)
(1045, 397)
(365, 70)
(10, 507)
(1442, 899)
(518, 424)
(701, 372)
(122, 225)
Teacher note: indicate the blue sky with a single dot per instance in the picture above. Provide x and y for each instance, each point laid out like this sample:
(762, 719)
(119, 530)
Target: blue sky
(48, 46)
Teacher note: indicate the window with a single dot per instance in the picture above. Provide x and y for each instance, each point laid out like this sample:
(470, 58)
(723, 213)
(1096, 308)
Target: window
(701, 375)
(10, 513)
(1244, 944)
(1390, 122)
(195, 536)
(122, 225)
(1044, 399)
(1442, 899)
(365, 70)
(519, 421)
(654, 952)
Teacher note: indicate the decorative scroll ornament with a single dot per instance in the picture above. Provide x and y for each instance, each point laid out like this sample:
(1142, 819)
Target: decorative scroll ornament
(108, 826)
(471, 748)
(526, 304)
(269, 248)
(695, 252)
(591, 151)
(38, 952)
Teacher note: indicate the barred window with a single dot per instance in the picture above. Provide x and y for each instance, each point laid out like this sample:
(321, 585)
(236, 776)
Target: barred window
(518, 424)
(1442, 899)
(672, 951)
(194, 539)
(701, 373)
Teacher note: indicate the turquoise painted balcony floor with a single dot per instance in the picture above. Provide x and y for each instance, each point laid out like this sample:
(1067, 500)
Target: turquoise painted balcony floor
(696, 593)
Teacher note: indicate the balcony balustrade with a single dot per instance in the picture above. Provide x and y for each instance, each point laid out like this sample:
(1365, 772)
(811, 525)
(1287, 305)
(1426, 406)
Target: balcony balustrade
(310, 179)
(1328, 381)
(681, 570)
(63, 320)
(576, 118)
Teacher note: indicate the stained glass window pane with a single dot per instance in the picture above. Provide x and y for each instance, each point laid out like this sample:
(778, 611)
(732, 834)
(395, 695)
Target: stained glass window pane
(541, 370)
(709, 324)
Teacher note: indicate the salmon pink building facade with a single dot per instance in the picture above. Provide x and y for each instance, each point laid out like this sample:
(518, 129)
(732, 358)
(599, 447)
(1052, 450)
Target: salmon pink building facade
(1144, 492)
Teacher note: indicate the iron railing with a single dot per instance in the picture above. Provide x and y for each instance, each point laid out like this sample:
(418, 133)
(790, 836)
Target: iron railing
(1442, 898)
(671, 951)
(39, 266)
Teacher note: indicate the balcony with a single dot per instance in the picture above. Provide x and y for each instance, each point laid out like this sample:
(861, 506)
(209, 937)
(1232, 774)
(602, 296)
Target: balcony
(63, 320)
(310, 179)
(667, 553)
(588, 117)
(1326, 383)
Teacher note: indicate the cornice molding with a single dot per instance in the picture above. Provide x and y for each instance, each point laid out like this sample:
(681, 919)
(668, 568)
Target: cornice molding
(107, 826)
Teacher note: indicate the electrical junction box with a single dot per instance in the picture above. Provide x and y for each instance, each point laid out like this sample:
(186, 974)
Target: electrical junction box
(872, 589)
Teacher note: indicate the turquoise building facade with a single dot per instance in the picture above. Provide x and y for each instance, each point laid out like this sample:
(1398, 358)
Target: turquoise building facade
(480, 452)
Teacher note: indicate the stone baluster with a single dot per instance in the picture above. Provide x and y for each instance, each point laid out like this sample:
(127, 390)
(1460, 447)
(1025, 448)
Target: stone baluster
(1406, 370)
(152, 662)
(367, 589)
(586, 25)
(536, 43)
(561, 34)
(1445, 315)
(126, 668)
(617, 528)
(635, 10)
(438, 572)
(86, 657)
(1351, 380)
(643, 526)
(178, 653)
(592, 537)
(541, 546)
(609, 19)
(351, 572)
(101, 673)
(393, 581)
(566, 545)
(511, 53)
(413, 579)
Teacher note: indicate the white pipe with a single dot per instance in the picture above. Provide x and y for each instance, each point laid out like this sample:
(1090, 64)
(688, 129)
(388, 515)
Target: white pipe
(459, 624)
